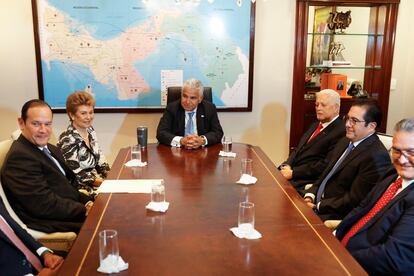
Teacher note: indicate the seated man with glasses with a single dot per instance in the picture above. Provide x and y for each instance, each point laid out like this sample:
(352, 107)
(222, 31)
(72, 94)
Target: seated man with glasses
(357, 162)
(379, 232)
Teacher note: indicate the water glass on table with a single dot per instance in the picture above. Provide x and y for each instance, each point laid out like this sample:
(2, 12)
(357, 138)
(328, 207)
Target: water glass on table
(227, 143)
(108, 248)
(246, 217)
(158, 193)
(246, 166)
(136, 152)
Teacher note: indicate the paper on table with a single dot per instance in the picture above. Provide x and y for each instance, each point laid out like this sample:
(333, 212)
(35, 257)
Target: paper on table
(247, 179)
(158, 206)
(251, 235)
(227, 154)
(128, 186)
(135, 163)
(107, 265)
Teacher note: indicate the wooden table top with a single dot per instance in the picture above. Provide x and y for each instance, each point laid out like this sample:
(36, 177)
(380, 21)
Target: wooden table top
(193, 237)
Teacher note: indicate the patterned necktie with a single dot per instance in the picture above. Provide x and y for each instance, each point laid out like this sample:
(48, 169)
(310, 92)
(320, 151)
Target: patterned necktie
(316, 132)
(332, 171)
(8, 231)
(385, 198)
(189, 128)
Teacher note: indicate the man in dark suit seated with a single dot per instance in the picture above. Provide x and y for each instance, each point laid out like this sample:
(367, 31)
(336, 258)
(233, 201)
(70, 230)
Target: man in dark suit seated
(357, 162)
(20, 254)
(306, 163)
(40, 187)
(190, 122)
(379, 233)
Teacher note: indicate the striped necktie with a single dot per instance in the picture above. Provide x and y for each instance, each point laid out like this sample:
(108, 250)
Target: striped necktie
(332, 171)
(189, 128)
(385, 198)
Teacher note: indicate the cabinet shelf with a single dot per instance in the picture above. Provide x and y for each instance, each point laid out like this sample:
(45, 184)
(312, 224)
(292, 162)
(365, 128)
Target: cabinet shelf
(375, 67)
(346, 34)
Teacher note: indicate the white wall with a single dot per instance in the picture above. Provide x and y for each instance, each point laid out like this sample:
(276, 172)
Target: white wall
(267, 126)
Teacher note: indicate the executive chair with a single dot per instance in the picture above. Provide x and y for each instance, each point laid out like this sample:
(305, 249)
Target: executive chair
(174, 93)
(61, 241)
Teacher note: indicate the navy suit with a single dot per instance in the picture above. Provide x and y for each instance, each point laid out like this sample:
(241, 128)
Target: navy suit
(309, 160)
(172, 123)
(40, 194)
(354, 178)
(12, 260)
(385, 245)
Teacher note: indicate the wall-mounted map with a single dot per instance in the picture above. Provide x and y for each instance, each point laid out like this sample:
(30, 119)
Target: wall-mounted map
(128, 52)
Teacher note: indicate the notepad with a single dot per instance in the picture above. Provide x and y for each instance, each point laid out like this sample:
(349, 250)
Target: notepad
(128, 186)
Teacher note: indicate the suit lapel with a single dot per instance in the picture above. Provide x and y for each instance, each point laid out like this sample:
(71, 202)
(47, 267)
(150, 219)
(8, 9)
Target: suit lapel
(200, 119)
(357, 151)
(390, 204)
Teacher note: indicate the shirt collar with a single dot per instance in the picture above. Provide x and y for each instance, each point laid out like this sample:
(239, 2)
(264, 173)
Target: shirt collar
(324, 125)
(360, 141)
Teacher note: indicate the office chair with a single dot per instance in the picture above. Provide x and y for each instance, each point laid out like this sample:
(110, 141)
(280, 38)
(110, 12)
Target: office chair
(174, 93)
(61, 241)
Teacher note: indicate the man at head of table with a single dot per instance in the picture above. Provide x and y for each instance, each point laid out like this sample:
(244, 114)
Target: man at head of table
(191, 121)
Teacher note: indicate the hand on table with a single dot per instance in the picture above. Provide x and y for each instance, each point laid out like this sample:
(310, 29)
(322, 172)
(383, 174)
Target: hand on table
(286, 171)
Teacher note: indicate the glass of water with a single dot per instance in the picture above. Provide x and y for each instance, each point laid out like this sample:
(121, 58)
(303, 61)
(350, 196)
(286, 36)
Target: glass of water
(227, 143)
(158, 192)
(136, 152)
(246, 217)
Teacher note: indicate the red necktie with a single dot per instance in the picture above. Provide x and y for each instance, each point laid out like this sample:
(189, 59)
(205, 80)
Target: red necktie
(385, 198)
(8, 231)
(316, 132)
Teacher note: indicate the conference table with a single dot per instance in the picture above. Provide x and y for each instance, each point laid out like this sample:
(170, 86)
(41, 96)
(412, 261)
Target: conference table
(193, 237)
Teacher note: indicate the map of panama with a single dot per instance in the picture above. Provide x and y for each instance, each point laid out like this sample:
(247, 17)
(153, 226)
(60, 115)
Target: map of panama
(124, 52)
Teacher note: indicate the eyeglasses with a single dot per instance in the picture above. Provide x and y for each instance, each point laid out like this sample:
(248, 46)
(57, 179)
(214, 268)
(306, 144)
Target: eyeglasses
(352, 121)
(408, 153)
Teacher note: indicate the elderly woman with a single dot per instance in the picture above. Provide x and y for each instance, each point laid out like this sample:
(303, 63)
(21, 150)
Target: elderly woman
(79, 144)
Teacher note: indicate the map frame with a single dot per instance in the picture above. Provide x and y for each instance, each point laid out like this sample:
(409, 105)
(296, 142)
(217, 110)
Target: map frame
(143, 109)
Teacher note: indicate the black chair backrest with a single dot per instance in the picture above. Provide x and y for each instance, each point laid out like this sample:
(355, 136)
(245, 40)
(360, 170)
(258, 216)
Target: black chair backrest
(174, 93)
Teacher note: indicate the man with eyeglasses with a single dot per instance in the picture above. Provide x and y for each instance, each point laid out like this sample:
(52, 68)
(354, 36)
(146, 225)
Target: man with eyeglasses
(357, 162)
(308, 160)
(379, 233)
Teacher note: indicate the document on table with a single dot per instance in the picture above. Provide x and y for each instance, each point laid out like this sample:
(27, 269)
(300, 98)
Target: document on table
(128, 186)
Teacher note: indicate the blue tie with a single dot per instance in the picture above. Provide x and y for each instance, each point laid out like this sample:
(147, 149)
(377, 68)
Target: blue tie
(332, 171)
(189, 128)
(48, 154)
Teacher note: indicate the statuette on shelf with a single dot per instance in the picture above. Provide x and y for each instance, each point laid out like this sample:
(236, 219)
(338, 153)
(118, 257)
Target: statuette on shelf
(339, 20)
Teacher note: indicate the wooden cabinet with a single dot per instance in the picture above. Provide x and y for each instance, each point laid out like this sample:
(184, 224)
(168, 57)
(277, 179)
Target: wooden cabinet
(368, 46)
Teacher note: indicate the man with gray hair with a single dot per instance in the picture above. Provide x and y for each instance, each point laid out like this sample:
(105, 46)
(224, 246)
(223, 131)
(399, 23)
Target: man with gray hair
(379, 232)
(190, 122)
(308, 160)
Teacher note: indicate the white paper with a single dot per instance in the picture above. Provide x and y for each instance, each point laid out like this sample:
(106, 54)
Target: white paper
(108, 267)
(247, 179)
(227, 154)
(135, 163)
(251, 235)
(158, 206)
(128, 186)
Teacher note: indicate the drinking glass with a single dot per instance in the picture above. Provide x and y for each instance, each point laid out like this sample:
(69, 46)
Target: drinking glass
(136, 152)
(246, 166)
(246, 217)
(108, 248)
(227, 143)
(158, 192)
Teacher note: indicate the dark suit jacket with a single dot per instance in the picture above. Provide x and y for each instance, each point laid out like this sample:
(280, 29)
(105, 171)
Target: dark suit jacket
(172, 123)
(42, 197)
(354, 178)
(385, 245)
(12, 260)
(309, 160)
